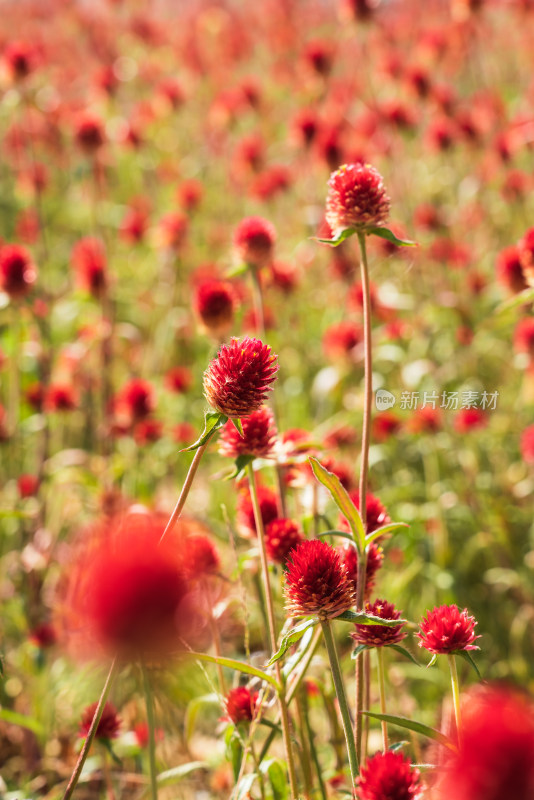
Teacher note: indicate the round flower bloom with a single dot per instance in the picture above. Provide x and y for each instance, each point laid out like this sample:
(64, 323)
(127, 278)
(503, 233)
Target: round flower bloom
(137, 398)
(356, 198)
(376, 516)
(317, 583)
(88, 259)
(375, 557)
(268, 501)
(389, 776)
(281, 536)
(526, 256)
(178, 379)
(173, 229)
(446, 629)
(61, 397)
(239, 377)
(259, 434)
(89, 132)
(27, 485)
(524, 336)
(254, 240)
(215, 304)
(510, 270)
(527, 444)
(43, 635)
(379, 635)
(147, 431)
(496, 755)
(468, 419)
(240, 704)
(20, 59)
(341, 340)
(108, 727)
(17, 271)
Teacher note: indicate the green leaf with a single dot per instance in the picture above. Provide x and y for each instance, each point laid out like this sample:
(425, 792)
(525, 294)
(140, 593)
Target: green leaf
(359, 649)
(404, 652)
(240, 465)
(272, 725)
(342, 500)
(213, 421)
(193, 707)
(466, 655)
(176, 774)
(234, 272)
(385, 233)
(292, 636)
(14, 718)
(337, 240)
(234, 752)
(277, 777)
(237, 425)
(343, 534)
(240, 666)
(527, 296)
(392, 526)
(432, 660)
(412, 725)
(361, 618)
(397, 746)
(245, 785)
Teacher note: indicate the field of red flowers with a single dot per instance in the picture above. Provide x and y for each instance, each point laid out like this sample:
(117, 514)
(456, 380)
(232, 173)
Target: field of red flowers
(266, 399)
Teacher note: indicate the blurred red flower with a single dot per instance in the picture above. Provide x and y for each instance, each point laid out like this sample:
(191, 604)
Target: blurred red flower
(254, 240)
(281, 536)
(389, 776)
(240, 704)
(108, 726)
(18, 273)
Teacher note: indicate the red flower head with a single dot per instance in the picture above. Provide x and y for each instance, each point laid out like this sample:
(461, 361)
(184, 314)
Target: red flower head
(384, 425)
(317, 583)
(189, 194)
(259, 435)
(61, 397)
(305, 126)
(147, 431)
(527, 444)
(20, 59)
(215, 304)
(240, 704)
(389, 776)
(238, 379)
(356, 198)
(319, 56)
(35, 395)
(178, 379)
(361, 10)
(425, 420)
(281, 536)
(28, 485)
(468, 419)
(108, 727)
(375, 557)
(90, 264)
(254, 240)
(379, 635)
(133, 226)
(341, 340)
(43, 635)
(126, 592)
(446, 629)
(17, 271)
(137, 398)
(268, 501)
(510, 271)
(203, 556)
(526, 256)
(376, 516)
(89, 133)
(496, 756)
(173, 229)
(524, 336)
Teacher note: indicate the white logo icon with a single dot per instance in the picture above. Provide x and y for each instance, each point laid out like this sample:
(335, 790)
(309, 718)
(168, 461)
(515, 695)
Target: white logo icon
(384, 400)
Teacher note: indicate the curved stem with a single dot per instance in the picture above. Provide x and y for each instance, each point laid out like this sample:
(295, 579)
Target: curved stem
(149, 700)
(284, 714)
(382, 691)
(185, 489)
(455, 693)
(341, 698)
(92, 731)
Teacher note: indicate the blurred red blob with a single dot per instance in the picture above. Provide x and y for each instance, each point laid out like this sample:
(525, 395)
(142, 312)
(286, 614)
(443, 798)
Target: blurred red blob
(527, 444)
(89, 261)
(147, 431)
(468, 419)
(134, 224)
(510, 271)
(173, 229)
(43, 635)
(425, 420)
(179, 379)
(526, 256)
(20, 58)
(189, 194)
(524, 336)
(254, 240)
(89, 133)
(28, 485)
(108, 726)
(18, 273)
(215, 302)
(281, 536)
(136, 399)
(341, 340)
(384, 425)
(268, 501)
(61, 397)
(241, 704)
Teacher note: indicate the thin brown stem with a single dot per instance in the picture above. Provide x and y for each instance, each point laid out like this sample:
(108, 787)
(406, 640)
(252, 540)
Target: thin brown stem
(185, 489)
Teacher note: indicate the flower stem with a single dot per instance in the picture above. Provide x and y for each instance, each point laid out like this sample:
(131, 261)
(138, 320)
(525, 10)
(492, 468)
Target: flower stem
(149, 700)
(113, 670)
(382, 691)
(185, 488)
(284, 714)
(455, 693)
(341, 698)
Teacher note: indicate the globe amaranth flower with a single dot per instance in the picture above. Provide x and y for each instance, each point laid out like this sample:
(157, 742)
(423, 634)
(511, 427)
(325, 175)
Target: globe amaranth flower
(88, 259)
(259, 435)
(239, 377)
(317, 583)
(510, 270)
(379, 635)
(215, 303)
(254, 240)
(496, 755)
(389, 776)
(241, 704)
(375, 557)
(108, 726)
(356, 199)
(376, 514)
(268, 502)
(18, 273)
(526, 256)
(281, 536)
(446, 629)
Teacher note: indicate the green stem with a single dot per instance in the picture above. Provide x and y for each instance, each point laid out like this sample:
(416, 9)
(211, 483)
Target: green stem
(341, 698)
(382, 690)
(186, 488)
(284, 714)
(455, 693)
(313, 749)
(92, 731)
(149, 700)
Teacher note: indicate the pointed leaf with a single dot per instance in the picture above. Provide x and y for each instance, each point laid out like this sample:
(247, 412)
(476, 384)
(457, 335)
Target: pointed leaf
(234, 272)
(15, 718)
(176, 774)
(338, 239)
(342, 500)
(392, 526)
(342, 534)
(526, 296)
(359, 649)
(466, 655)
(213, 421)
(404, 652)
(397, 746)
(412, 725)
(240, 666)
(240, 465)
(277, 777)
(245, 785)
(361, 618)
(385, 233)
(193, 708)
(432, 660)
(234, 753)
(237, 425)
(292, 636)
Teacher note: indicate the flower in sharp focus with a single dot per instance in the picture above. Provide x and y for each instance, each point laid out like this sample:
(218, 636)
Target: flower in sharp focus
(254, 240)
(496, 756)
(259, 435)
(18, 273)
(317, 583)
(379, 635)
(388, 776)
(240, 704)
(281, 536)
(108, 727)
(240, 376)
(446, 629)
(356, 199)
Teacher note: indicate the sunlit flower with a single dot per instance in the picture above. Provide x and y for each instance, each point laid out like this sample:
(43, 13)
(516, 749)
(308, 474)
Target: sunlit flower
(259, 435)
(317, 583)
(375, 557)
(389, 776)
(356, 198)
(379, 635)
(254, 240)
(281, 536)
(240, 704)
(446, 629)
